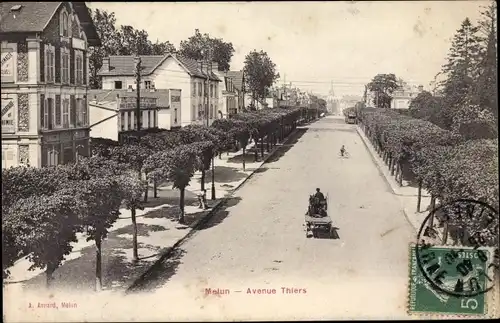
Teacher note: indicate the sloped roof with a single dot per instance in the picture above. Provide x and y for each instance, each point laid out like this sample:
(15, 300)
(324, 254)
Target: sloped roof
(110, 96)
(124, 65)
(237, 77)
(34, 17)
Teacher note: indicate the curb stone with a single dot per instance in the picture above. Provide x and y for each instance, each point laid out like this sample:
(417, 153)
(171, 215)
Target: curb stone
(381, 172)
(201, 221)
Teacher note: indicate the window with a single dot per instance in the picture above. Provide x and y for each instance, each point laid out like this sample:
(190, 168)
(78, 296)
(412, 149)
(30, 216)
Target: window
(175, 115)
(49, 120)
(65, 114)
(49, 63)
(194, 89)
(155, 122)
(84, 109)
(200, 89)
(147, 85)
(58, 113)
(211, 90)
(216, 90)
(64, 66)
(149, 118)
(193, 113)
(129, 120)
(79, 67)
(199, 112)
(118, 85)
(53, 156)
(211, 111)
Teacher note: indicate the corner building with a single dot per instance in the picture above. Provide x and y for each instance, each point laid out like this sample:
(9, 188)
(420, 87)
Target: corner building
(45, 64)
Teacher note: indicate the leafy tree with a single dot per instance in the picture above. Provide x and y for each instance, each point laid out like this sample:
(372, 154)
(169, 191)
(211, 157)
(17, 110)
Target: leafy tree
(162, 48)
(44, 228)
(102, 197)
(428, 107)
(182, 162)
(260, 74)
(133, 41)
(383, 85)
(105, 26)
(132, 189)
(196, 46)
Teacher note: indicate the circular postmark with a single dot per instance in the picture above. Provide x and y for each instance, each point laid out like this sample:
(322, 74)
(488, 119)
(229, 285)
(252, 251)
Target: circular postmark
(457, 248)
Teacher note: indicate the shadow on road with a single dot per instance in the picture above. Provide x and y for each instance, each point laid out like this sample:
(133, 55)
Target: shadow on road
(225, 174)
(161, 272)
(221, 214)
(282, 150)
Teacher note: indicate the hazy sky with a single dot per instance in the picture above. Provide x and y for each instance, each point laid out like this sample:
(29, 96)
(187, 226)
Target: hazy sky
(314, 43)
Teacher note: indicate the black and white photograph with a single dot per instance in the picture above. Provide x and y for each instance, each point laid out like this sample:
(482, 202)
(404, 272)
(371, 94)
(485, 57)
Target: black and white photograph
(249, 161)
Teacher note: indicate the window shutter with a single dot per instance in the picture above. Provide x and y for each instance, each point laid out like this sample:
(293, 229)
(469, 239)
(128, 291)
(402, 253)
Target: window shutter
(42, 62)
(72, 69)
(84, 67)
(58, 110)
(42, 110)
(72, 111)
(58, 64)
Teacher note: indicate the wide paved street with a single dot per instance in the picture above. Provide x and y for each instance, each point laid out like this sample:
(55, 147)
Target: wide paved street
(258, 242)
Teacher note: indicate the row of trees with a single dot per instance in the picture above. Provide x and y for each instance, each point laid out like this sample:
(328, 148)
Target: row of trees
(44, 209)
(259, 69)
(446, 164)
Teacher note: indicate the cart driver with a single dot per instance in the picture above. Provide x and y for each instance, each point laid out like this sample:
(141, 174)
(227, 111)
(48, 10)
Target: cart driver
(319, 196)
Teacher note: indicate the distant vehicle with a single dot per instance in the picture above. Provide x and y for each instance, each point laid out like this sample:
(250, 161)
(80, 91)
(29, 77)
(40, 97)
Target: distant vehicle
(350, 118)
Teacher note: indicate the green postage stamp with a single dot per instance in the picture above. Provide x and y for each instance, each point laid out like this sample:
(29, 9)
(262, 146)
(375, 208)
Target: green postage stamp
(425, 299)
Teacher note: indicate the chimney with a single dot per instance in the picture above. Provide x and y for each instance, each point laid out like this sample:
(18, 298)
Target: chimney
(215, 67)
(105, 64)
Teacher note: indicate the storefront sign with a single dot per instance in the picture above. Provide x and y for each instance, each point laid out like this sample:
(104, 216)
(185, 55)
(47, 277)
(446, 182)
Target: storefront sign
(7, 66)
(131, 103)
(8, 108)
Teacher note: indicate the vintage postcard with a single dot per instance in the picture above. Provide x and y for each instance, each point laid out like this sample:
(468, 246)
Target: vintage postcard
(246, 161)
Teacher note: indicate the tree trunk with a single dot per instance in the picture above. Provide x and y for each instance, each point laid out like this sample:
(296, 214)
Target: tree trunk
(445, 232)
(155, 188)
(98, 263)
(203, 179)
(255, 150)
(400, 174)
(49, 275)
(261, 147)
(135, 255)
(432, 207)
(181, 205)
(397, 170)
(390, 161)
(393, 166)
(267, 143)
(419, 200)
(243, 158)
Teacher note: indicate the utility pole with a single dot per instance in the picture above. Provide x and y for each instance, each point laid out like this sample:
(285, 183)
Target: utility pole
(137, 61)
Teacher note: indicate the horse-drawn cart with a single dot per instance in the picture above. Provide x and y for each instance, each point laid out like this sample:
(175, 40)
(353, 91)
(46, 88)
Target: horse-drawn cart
(317, 220)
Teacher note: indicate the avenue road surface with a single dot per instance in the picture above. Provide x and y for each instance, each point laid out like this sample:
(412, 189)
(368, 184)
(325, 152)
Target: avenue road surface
(259, 242)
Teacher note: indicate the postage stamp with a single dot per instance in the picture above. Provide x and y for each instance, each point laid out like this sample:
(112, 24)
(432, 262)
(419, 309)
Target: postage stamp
(454, 264)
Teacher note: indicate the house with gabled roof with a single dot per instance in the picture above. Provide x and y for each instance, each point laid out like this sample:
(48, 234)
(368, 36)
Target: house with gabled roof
(198, 85)
(238, 80)
(44, 49)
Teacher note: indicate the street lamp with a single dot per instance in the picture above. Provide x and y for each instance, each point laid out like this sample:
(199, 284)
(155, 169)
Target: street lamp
(207, 59)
